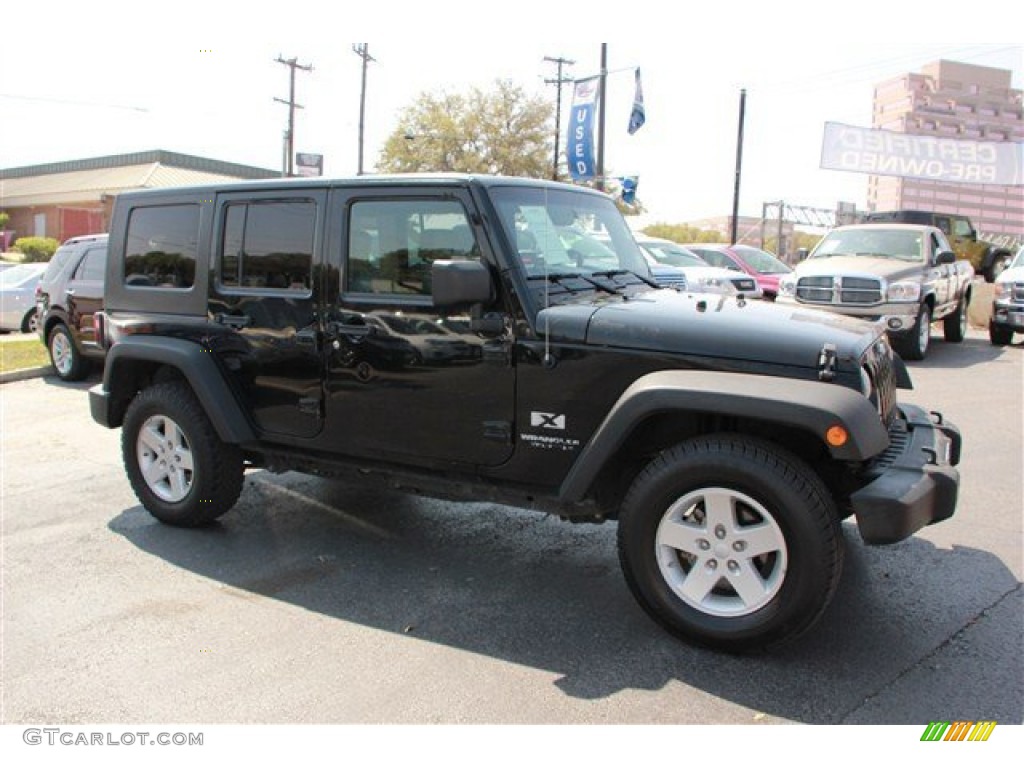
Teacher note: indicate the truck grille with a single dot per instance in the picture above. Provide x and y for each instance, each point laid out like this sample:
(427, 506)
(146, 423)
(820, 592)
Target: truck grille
(839, 290)
(1018, 293)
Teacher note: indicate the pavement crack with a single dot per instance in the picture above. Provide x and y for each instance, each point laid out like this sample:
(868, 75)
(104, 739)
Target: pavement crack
(933, 653)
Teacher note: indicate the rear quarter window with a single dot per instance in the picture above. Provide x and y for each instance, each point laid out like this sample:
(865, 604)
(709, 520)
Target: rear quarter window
(160, 247)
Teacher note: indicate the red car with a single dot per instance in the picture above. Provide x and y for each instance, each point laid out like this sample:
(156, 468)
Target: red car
(765, 268)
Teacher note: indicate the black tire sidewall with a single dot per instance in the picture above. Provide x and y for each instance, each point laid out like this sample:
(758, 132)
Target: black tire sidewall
(175, 402)
(809, 533)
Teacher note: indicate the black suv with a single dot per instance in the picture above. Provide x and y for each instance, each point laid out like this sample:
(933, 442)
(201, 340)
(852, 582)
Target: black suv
(438, 335)
(69, 296)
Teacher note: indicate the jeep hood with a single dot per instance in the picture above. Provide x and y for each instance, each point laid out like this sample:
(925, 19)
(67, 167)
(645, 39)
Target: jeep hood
(889, 269)
(709, 325)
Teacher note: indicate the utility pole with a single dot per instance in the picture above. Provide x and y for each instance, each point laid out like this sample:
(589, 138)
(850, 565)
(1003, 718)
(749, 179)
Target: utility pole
(289, 136)
(558, 81)
(739, 165)
(362, 50)
(600, 117)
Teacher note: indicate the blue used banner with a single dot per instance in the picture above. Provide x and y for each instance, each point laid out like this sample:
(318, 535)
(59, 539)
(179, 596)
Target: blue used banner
(580, 146)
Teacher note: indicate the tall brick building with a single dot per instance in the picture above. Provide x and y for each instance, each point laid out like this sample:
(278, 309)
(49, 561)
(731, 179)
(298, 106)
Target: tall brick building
(952, 100)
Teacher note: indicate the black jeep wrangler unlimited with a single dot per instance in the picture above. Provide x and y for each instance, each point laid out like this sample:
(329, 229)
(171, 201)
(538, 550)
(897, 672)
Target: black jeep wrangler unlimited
(442, 335)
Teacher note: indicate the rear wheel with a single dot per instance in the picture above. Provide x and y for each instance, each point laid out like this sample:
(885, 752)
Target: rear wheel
(997, 267)
(179, 468)
(66, 359)
(730, 542)
(30, 323)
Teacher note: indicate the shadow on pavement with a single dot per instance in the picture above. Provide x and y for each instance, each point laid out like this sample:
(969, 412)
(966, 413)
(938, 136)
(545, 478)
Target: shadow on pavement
(521, 587)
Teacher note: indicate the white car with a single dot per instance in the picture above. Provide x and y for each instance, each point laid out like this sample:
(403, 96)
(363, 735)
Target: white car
(1008, 303)
(701, 277)
(18, 297)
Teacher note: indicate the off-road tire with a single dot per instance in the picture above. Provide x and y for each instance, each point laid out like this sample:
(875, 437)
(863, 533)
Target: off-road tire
(166, 423)
(750, 480)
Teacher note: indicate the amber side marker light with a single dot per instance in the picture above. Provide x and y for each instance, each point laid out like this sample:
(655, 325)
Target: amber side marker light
(836, 436)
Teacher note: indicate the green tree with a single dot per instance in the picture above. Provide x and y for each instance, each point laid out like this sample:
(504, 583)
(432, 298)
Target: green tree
(500, 130)
(683, 233)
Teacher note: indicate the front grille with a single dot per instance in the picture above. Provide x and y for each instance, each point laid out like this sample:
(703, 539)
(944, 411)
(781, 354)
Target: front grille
(878, 361)
(744, 284)
(839, 290)
(1018, 292)
(672, 281)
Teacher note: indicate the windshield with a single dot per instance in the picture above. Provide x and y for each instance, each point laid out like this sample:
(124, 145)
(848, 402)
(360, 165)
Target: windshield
(1019, 259)
(673, 255)
(900, 244)
(761, 261)
(564, 234)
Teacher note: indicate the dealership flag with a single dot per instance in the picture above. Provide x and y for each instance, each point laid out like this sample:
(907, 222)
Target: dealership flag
(580, 146)
(637, 117)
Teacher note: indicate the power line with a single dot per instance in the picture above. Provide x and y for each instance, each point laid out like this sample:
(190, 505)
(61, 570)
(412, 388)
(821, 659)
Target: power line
(289, 136)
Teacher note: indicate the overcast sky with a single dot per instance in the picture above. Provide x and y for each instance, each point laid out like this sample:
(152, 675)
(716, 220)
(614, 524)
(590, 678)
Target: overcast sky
(83, 80)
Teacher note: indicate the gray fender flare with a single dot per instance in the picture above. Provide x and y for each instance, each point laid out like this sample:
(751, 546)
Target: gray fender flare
(198, 367)
(808, 405)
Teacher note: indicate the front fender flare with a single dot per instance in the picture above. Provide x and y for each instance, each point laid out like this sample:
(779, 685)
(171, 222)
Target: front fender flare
(811, 406)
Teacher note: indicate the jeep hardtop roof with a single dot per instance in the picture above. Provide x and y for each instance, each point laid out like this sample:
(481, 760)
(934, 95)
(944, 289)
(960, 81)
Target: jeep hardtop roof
(320, 182)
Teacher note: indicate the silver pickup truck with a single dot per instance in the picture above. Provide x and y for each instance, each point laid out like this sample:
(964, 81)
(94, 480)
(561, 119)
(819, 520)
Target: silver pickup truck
(905, 276)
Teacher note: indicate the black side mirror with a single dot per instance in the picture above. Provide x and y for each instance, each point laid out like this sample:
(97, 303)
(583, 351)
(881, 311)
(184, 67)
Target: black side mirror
(456, 283)
(945, 257)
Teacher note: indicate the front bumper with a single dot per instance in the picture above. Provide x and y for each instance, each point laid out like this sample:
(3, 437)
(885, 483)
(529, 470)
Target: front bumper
(913, 483)
(1011, 315)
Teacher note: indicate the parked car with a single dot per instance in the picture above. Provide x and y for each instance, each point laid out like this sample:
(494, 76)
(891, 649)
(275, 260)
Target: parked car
(765, 268)
(700, 275)
(988, 259)
(70, 293)
(18, 297)
(1008, 303)
(903, 276)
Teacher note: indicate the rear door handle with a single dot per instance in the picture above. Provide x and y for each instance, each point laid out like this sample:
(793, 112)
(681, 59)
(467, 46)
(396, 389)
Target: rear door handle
(233, 321)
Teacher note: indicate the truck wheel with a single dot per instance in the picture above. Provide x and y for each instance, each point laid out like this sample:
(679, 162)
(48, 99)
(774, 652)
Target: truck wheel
(64, 355)
(914, 346)
(1000, 335)
(178, 467)
(997, 267)
(954, 326)
(730, 542)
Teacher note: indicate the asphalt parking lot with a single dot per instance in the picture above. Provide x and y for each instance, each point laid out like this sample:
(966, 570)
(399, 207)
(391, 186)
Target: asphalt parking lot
(313, 602)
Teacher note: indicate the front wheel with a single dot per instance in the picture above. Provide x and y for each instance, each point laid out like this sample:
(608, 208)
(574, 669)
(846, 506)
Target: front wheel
(178, 467)
(999, 335)
(915, 345)
(730, 542)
